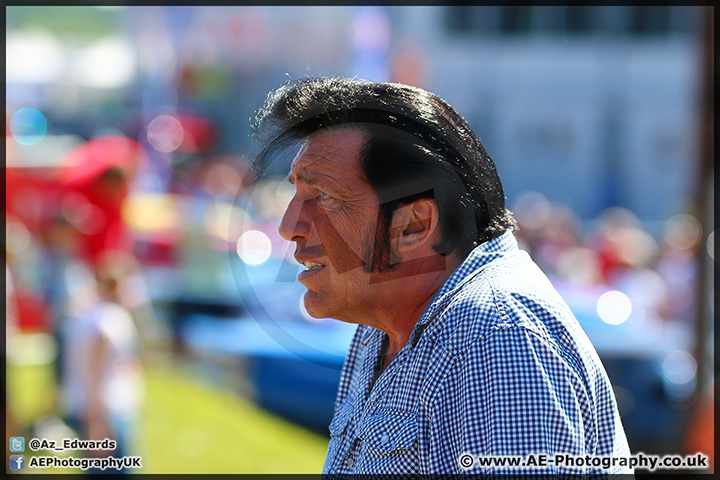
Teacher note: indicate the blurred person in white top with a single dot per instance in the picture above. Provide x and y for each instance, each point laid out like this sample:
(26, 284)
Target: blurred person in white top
(103, 386)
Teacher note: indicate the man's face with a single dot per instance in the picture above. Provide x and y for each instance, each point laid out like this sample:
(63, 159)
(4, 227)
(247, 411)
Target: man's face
(332, 219)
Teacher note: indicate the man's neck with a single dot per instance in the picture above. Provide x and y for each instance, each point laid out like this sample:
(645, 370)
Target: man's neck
(404, 300)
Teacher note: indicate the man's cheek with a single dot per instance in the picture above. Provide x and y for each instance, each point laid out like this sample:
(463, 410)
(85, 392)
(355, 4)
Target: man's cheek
(345, 254)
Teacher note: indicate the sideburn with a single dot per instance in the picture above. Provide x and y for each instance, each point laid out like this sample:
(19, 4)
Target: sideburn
(383, 259)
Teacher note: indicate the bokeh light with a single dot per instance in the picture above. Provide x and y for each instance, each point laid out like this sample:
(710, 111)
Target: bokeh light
(86, 217)
(532, 210)
(614, 307)
(254, 247)
(682, 231)
(165, 133)
(679, 367)
(28, 126)
(711, 245)
(228, 221)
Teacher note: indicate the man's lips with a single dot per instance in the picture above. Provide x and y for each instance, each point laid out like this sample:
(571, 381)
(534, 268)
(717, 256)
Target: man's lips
(313, 265)
(310, 258)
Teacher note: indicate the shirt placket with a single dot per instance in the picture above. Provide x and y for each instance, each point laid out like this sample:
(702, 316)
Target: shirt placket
(371, 341)
(382, 388)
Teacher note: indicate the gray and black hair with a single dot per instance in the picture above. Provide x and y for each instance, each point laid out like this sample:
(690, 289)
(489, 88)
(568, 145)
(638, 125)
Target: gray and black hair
(417, 146)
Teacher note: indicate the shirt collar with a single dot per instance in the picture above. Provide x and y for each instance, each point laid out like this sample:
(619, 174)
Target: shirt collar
(478, 258)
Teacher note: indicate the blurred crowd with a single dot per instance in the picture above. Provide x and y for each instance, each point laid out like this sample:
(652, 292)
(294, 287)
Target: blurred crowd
(71, 273)
(658, 273)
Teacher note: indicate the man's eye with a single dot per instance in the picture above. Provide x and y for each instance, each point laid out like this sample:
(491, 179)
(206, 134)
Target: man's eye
(323, 195)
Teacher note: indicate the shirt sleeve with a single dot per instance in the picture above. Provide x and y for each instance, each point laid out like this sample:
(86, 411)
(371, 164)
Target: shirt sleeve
(509, 394)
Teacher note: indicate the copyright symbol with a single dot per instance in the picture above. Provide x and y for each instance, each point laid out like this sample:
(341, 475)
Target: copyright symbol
(466, 460)
(34, 444)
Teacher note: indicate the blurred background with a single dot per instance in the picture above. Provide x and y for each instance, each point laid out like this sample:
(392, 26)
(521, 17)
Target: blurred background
(150, 298)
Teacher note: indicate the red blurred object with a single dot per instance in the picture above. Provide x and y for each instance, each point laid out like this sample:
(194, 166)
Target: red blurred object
(32, 314)
(157, 250)
(198, 133)
(100, 171)
(86, 162)
(30, 194)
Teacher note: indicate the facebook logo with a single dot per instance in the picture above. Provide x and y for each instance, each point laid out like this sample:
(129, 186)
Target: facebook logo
(17, 444)
(17, 462)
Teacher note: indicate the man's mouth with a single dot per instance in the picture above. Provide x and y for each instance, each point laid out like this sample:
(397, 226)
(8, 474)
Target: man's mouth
(311, 266)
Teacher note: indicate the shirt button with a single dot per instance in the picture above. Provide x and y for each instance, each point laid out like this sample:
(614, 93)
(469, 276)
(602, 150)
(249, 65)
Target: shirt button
(384, 439)
(349, 461)
(373, 397)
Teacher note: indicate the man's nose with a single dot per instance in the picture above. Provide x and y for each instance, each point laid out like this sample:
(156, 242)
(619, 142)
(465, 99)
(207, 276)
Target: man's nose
(295, 223)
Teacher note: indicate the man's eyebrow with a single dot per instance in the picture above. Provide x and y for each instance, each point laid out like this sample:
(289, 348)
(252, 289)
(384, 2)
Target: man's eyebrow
(309, 180)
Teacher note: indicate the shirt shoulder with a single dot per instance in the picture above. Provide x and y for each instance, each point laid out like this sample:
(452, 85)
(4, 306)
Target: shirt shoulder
(508, 292)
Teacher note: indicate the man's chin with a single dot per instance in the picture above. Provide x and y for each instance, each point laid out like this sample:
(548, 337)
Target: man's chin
(319, 306)
(315, 306)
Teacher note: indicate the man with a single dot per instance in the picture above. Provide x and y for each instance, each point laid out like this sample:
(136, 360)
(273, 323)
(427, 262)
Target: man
(464, 348)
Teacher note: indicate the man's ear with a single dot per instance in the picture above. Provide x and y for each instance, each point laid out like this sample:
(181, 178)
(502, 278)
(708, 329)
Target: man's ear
(414, 225)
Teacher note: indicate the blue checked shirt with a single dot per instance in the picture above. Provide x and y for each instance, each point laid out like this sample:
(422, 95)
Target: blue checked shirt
(496, 365)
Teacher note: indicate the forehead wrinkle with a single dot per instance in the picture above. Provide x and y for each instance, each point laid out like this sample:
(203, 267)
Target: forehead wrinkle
(314, 172)
(321, 160)
(299, 166)
(327, 182)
